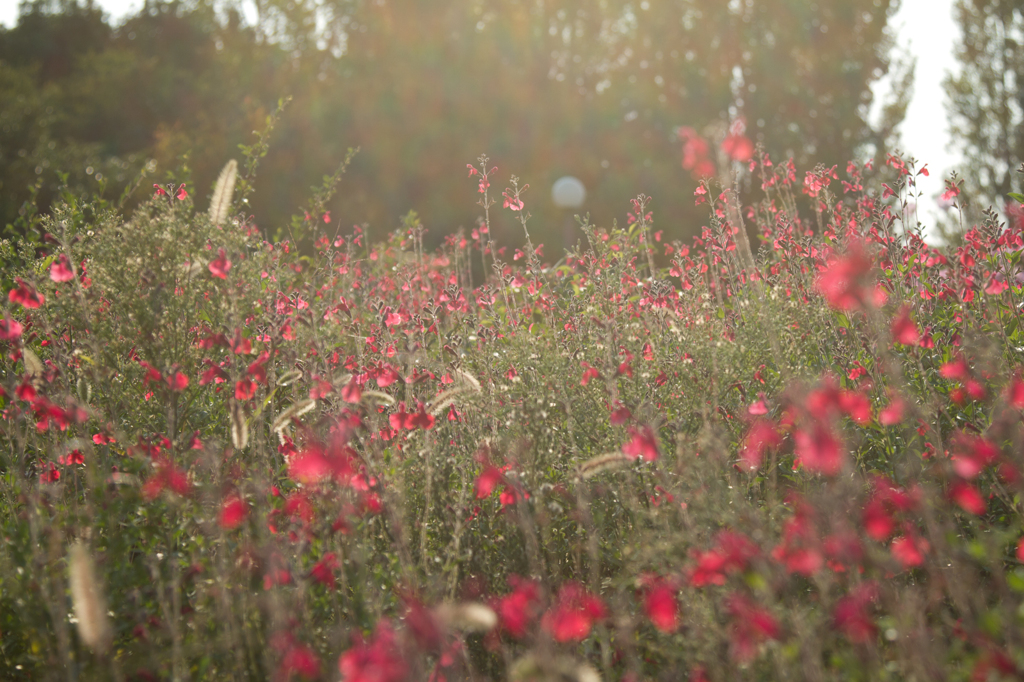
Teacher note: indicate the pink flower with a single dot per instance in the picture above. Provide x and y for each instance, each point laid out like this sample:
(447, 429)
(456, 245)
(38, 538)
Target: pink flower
(852, 616)
(323, 570)
(738, 147)
(751, 625)
(60, 270)
(971, 454)
(819, 450)
(909, 550)
(181, 194)
(967, 498)
(232, 512)
(25, 295)
(10, 329)
(245, 389)
(351, 392)
(488, 480)
(220, 266)
(573, 615)
(643, 444)
(660, 603)
(892, 413)
(517, 610)
(903, 328)
(378, 660)
(845, 280)
(761, 437)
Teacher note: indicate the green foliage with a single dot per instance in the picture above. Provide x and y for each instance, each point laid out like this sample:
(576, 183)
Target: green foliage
(984, 98)
(749, 462)
(592, 89)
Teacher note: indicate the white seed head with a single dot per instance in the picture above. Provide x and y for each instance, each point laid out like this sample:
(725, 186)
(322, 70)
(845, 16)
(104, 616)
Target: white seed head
(88, 600)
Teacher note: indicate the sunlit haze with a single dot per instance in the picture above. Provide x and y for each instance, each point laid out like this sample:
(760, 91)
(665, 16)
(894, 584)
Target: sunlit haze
(924, 27)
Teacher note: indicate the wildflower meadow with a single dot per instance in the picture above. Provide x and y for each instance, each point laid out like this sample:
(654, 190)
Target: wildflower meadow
(790, 447)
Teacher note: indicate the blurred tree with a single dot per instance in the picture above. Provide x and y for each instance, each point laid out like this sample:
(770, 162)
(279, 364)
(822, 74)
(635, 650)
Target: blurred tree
(986, 99)
(592, 88)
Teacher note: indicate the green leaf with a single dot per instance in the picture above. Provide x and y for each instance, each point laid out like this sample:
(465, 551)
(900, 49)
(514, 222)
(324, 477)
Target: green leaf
(1019, 198)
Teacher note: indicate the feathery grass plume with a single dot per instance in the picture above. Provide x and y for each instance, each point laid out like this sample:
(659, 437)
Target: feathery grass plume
(466, 383)
(239, 429)
(289, 377)
(33, 365)
(469, 379)
(468, 617)
(381, 397)
(223, 192)
(87, 599)
(532, 667)
(282, 421)
(613, 460)
(442, 400)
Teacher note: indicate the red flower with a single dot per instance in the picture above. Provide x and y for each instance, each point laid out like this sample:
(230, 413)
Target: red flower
(758, 408)
(60, 270)
(488, 480)
(351, 393)
(177, 382)
(512, 200)
(892, 413)
(316, 463)
(517, 610)
(49, 474)
(856, 405)
(167, 476)
(967, 498)
(258, 369)
(73, 457)
(751, 625)
(574, 614)
(971, 454)
(245, 389)
(296, 658)
(1014, 392)
(378, 660)
(232, 512)
(386, 376)
(25, 295)
(643, 444)
(323, 570)
(819, 449)
(588, 374)
(660, 603)
(241, 345)
(909, 550)
(956, 370)
(10, 329)
(181, 194)
(160, 191)
(761, 437)
(220, 266)
(904, 330)
(852, 614)
(738, 147)
(845, 282)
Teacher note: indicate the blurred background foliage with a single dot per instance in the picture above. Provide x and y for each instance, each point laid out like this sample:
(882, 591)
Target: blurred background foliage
(591, 88)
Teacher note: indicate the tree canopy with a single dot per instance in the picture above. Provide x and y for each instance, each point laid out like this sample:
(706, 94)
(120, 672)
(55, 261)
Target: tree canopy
(986, 98)
(593, 88)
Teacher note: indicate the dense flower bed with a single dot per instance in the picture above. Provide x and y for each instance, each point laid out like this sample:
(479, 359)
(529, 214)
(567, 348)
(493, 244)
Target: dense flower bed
(230, 458)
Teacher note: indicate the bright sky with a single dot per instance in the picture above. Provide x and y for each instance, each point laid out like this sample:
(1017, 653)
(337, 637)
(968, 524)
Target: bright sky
(928, 30)
(925, 27)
